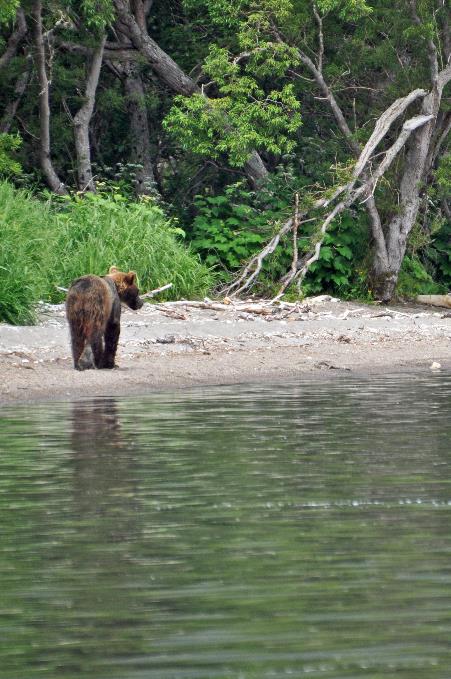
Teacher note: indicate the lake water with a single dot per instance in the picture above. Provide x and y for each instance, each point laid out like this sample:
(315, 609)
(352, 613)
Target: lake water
(245, 532)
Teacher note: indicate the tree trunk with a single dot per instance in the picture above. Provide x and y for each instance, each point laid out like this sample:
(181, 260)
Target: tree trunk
(384, 275)
(174, 77)
(82, 120)
(139, 132)
(51, 176)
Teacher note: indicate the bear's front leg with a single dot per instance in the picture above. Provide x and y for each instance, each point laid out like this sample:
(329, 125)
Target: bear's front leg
(111, 341)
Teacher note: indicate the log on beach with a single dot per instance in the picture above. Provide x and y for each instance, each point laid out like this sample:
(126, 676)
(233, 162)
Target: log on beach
(435, 300)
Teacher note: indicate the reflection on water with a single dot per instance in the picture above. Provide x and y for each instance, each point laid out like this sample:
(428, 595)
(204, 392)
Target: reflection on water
(243, 533)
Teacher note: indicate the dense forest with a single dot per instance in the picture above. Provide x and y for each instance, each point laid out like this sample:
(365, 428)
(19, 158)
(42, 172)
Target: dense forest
(282, 146)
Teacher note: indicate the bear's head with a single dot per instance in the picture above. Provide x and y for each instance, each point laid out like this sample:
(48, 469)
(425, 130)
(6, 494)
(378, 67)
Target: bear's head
(126, 287)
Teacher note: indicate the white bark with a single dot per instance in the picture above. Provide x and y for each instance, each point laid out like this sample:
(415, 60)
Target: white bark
(50, 174)
(82, 120)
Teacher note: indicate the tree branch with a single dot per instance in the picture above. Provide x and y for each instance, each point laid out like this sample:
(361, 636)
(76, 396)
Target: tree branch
(14, 39)
(19, 89)
(351, 195)
(173, 76)
(319, 21)
(432, 50)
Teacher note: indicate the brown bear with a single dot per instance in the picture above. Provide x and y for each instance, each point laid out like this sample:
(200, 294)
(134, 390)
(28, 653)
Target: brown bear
(93, 308)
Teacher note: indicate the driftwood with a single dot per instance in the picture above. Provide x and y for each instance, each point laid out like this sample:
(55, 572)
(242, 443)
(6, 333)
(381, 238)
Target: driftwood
(263, 308)
(146, 295)
(435, 300)
(152, 293)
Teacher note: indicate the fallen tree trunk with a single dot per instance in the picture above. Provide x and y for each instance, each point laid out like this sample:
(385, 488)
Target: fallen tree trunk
(435, 300)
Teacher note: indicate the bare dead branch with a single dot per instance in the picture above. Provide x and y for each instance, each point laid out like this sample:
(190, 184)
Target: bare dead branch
(382, 126)
(294, 262)
(152, 293)
(352, 194)
(365, 189)
(319, 21)
(116, 51)
(254, 266)
(244, 307)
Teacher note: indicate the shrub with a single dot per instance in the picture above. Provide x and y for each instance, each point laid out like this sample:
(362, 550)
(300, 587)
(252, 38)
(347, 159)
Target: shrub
(340, 269)
(415, 280)
(43, 244)
(96, 231)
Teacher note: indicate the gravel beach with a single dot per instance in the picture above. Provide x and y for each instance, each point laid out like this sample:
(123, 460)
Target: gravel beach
(175, 346)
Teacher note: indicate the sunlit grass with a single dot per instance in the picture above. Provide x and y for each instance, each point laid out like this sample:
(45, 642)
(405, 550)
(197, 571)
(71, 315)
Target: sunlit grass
(43, 245)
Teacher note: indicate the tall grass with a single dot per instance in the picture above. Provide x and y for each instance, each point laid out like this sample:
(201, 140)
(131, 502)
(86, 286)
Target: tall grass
(25, 243)
(96, 231)
(44, 244)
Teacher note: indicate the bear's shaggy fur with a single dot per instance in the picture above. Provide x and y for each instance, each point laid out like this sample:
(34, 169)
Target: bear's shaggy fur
(93, 307)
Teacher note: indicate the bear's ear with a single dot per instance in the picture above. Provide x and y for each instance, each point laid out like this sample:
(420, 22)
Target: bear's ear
(113, 269)
(130, 278)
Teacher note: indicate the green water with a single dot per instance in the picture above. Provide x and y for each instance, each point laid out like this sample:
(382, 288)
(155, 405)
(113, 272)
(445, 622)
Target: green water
(242, 532)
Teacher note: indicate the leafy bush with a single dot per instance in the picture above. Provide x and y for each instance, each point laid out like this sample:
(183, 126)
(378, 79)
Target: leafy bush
(415, 280)
(225, 233)
(8, 146)
(48, 243)
(231, 227)
(340, 268)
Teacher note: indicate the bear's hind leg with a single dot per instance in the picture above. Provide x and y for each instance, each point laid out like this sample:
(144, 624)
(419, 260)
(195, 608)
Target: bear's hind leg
(97, 349)
(78, 344)
(111, 341)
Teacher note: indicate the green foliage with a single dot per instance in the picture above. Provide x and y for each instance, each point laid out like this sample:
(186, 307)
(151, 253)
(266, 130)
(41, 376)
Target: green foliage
(341, 268)
(96, 13)
(47, 243)
(242, 120)
(9, 143)
(415, 280)
(246, 114)
(225, 233)
(440, 253)
(438, 246)
(346, 9)
(8, 10)
(96, 231)
(25, 245)
(443, 177)
(220, 12)
(232, 226)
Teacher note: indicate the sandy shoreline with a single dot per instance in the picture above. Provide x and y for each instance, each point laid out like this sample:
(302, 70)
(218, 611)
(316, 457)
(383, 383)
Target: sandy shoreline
(163, 349)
